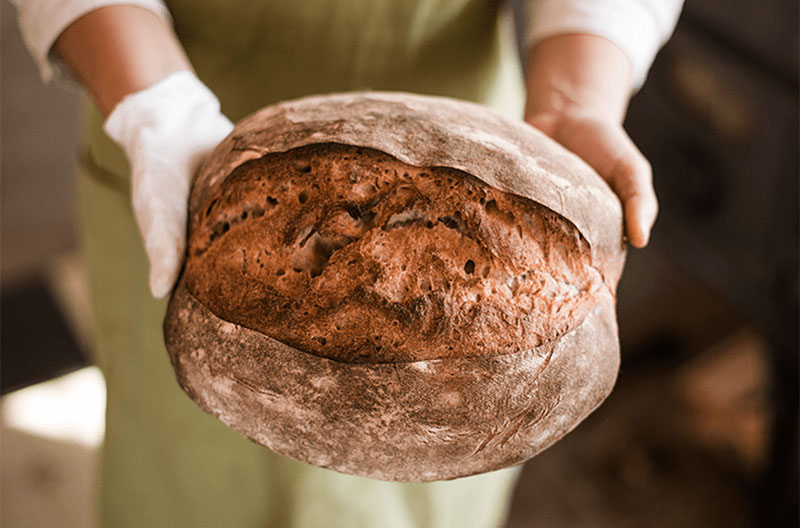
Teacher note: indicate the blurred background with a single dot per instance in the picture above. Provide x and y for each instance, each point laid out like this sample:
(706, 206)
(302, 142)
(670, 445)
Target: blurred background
(702, 428)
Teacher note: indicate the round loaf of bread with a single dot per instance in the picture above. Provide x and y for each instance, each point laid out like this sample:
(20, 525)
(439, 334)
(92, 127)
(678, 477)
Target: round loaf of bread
(397, 286)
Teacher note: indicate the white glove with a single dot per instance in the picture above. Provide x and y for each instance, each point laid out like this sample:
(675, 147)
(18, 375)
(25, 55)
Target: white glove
(166, 131)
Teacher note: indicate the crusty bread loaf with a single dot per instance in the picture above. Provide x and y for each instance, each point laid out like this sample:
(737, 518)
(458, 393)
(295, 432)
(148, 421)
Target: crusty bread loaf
(376, 290)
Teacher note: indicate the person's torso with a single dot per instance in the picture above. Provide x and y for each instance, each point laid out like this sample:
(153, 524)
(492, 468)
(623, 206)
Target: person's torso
(255, 53)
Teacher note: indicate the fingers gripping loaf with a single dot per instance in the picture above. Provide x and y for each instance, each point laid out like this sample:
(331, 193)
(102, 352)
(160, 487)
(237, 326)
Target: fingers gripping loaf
(397, 286)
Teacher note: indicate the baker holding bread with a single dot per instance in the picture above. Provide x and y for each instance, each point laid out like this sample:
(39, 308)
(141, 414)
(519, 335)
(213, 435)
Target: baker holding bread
(153, 121)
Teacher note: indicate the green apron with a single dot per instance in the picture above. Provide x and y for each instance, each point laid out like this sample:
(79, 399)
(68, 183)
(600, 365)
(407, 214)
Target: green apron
(167, 463)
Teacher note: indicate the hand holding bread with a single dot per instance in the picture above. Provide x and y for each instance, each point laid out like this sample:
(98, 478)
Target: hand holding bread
(578, 88)
(166, 130)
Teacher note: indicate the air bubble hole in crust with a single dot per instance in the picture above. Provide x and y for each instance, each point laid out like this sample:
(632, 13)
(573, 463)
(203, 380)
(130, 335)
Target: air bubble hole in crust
(469, 267)
(353, 211)
(219, 229)
(224, 224)
(315, 250)
(302, 197)
(211, 206)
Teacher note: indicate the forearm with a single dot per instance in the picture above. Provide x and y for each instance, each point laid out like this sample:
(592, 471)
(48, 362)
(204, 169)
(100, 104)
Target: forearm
(578, 73)
(118, 50)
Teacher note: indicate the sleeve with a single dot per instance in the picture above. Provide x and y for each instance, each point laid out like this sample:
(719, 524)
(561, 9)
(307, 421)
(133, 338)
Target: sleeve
(42, 21)
(638, 27)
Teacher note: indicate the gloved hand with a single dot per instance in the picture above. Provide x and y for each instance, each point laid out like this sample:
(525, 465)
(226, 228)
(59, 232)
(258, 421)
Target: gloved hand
(166, 131)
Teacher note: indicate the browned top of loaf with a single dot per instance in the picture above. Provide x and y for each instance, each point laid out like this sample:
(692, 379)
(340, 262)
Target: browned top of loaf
(353, 255)
(427, 131)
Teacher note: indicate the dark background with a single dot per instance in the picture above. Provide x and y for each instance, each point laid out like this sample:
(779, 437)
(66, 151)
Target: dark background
(702, 428)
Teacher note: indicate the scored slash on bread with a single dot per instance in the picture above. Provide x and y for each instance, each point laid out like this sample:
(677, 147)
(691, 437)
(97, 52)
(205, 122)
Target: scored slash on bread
(349, 254)
(397, 286)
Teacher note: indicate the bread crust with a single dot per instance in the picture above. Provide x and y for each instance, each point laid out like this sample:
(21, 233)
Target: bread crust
(411, 417)
(417, 421)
